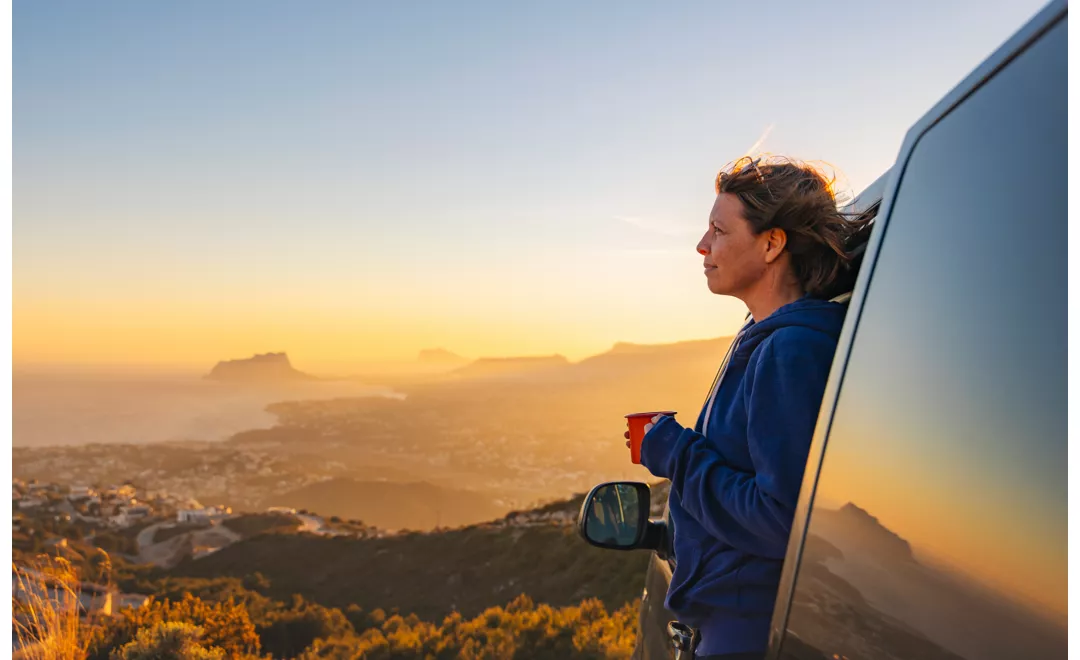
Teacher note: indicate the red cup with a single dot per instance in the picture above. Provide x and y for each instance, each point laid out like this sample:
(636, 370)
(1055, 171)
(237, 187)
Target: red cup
(636, 423)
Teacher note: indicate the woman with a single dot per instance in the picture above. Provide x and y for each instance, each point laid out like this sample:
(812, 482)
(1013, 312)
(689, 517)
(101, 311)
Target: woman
(777, 242)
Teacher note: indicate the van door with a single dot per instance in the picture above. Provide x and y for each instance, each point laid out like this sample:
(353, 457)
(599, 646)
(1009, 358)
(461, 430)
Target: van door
(653, 641)
(938, 524)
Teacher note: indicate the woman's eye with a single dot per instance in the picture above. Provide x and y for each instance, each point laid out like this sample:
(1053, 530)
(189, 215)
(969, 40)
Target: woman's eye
(716, 230)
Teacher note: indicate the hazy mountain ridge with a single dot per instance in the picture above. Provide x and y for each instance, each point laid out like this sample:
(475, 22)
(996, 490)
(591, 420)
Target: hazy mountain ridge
(853, 563)
(620, 361)
(517, 440)
(857, 526)
(509, 366)
(266, 367)
(441, 357)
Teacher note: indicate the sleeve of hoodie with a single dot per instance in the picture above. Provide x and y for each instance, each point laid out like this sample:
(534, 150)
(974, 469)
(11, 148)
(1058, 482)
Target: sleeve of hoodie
(783, 389)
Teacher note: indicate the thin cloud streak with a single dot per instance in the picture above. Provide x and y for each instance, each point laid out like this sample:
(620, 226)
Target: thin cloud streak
(761, 140)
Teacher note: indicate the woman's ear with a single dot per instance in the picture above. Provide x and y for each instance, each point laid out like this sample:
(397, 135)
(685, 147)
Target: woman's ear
(775, 242)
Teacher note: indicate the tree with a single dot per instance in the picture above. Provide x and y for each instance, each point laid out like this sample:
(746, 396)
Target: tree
(256, 582)
(286, 633)
(165, 641)
(225, 625)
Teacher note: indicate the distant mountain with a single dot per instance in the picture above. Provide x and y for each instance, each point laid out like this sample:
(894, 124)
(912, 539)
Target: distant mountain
(622, 360)
(268, 367)
(510, 367)
(676, 365)
(855, 527)
(390, 505)
(895, 605)
(440, 357)
(434, 574)
(654, 359)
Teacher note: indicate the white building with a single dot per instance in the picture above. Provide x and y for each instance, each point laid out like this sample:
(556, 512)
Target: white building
(80, 492)
(138, 512)
(30, 502)
(192, 516)
(129, 515)
(203, 515)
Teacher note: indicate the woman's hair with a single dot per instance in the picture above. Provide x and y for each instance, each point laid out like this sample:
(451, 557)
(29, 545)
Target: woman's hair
(783, 193)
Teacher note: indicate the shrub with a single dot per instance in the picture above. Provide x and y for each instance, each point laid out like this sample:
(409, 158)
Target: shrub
(170, 640)
(224, 625)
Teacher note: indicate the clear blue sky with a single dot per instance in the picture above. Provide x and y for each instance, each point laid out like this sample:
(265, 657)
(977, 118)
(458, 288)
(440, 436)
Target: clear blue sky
(319, 165)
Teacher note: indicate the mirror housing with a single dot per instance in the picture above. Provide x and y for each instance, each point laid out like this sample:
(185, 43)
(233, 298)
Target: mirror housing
(615, 516)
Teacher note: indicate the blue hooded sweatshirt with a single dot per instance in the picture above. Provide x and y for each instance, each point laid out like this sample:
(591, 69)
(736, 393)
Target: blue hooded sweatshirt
(735, 484)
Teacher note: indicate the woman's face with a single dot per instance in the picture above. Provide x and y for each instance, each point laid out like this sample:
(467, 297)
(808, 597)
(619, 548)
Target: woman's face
(735, 259)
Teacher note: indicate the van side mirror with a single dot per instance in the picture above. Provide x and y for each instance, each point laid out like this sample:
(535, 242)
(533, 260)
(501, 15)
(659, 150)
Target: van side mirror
(615, 516)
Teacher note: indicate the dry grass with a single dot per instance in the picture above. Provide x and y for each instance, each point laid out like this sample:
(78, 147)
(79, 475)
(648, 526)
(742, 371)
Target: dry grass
(48, 617)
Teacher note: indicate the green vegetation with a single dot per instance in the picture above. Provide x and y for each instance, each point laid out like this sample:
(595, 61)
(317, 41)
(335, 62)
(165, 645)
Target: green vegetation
(467, 570)
(499, 590)
(352, 527)
(168, 640)
(254, 524)
(228, 620)
(224, 625)
(520, 630)
(45, 613)
(112, 543)
(302, 629)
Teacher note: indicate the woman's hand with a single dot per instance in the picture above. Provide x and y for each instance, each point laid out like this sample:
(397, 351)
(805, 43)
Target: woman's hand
(648, 427)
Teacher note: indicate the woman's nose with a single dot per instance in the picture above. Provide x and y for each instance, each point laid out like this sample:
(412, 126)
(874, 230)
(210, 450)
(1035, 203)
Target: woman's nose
(702, 251)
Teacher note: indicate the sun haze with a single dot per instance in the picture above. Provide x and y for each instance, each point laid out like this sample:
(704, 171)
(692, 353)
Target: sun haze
(359, 182)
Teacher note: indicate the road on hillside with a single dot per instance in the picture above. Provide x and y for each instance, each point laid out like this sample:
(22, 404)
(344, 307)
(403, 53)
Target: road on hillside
(145, 538)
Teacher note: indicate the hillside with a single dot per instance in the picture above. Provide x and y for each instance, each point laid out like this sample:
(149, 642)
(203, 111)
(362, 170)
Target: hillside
(621, 361)
(521, 586)
(265, 368)
(433, 574)
(856, 527)
(628, 377)
(518, 439)
(390, 505)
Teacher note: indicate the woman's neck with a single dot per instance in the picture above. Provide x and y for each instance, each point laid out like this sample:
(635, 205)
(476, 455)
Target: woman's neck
(762, 303)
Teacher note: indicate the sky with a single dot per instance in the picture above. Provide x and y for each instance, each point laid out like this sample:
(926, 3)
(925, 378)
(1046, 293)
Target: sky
(355, 182)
